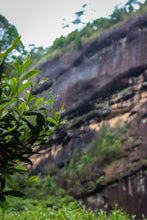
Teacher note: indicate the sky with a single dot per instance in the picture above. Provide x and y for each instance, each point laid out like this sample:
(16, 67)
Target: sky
(39, 22)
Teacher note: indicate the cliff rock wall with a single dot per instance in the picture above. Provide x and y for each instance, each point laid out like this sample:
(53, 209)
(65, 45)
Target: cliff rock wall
(105, 81)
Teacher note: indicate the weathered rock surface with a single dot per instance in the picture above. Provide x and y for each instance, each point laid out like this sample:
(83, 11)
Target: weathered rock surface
(130, 193)
(105, 81)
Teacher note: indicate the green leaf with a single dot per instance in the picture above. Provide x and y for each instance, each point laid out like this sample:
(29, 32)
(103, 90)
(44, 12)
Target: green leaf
(63, 122)
(23, 106)
(31, 113)
(42, 81)
(54, 113)
(12, 100)
(25, 65)
(29, 75)
(31, 126)
(32, 180)
(40, 119)
(51, 99)
(14, 193)
(7, 133)
(62, 108)
(26, 160)
(10, 180)
(51, 120)
(1, 92)
(16, 65)
(4, 55)
(39, 100)
(57, 117)
(2, 181)
(2, 198)
(16, 41)
(21, 99)
(44, 110)
(32, 98)
(24, 86)
(1, 55)
(21, 168)
(12, 87)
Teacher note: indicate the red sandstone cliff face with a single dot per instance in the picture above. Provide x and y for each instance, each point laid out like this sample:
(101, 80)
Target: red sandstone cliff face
(93, 72)
(106, 81)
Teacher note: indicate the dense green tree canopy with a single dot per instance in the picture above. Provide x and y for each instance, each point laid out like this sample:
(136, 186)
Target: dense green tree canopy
(8, 33)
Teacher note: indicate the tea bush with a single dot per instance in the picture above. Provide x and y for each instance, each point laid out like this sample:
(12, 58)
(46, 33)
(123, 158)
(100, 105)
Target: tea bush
(25, 122)
(67, 213)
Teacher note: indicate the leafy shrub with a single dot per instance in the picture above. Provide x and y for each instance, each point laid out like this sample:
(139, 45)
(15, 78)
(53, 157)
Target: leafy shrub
(59, 42)
(76, 39)
(78, 43)
(100, 179)
(104, 149)
(46, 194)
(67, 213)
(108, 145)
(72, 36)
(25, 122)
(118, 14)
(101, 23)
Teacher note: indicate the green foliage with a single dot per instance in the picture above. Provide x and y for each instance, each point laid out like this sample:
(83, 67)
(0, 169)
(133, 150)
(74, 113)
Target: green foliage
(75, 37)
(46, 194)
(85, 159)
(102, 133)
(38, 53)
(110, 140)
(104, 150)
(118, 14)
(67, 213)
(108, 145)
(100, 179)
(8, 35)
(25, 122)
(131, 4)
(78, 43)
(72, 37)
(70, 168)
(101, 23)
(59, 42)
(75, 40)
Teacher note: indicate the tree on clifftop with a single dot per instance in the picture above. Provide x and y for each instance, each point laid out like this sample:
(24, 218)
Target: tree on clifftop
(131, 3)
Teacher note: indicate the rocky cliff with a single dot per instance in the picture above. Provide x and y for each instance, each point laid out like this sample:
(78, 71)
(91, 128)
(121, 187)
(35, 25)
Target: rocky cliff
(105, 81)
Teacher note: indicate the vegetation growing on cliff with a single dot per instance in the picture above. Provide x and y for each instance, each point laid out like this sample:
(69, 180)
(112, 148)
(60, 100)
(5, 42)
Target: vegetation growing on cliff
(56, 191)
(101, 152)
(108, 147)
(76, 39)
